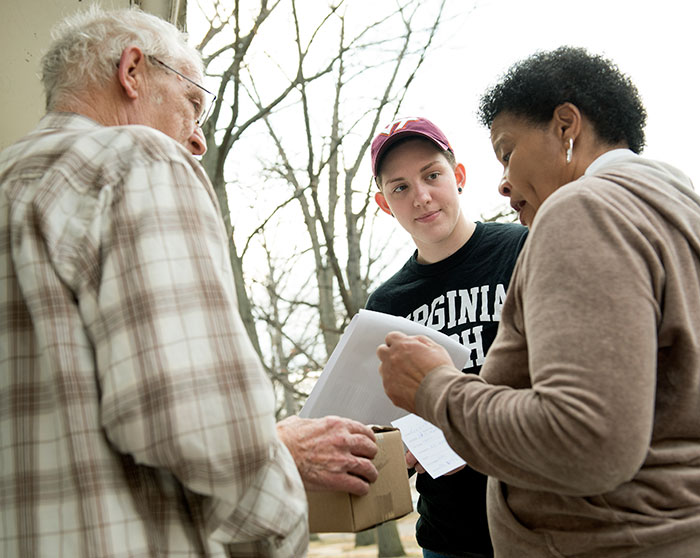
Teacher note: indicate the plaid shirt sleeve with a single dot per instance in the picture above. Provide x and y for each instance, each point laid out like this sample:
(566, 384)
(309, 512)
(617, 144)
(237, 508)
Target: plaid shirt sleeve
(140, 414)
(182, 388)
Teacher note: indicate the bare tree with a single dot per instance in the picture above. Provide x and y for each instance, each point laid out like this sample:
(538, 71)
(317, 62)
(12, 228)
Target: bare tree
(308, 85)
(313, 111)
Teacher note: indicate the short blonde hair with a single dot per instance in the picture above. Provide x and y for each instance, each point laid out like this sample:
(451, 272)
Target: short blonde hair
(87, 45)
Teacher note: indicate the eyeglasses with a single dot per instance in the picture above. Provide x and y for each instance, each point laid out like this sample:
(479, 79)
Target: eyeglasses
(209, 97)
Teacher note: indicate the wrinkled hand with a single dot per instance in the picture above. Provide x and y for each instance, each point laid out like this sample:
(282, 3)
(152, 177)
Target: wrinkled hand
(405, 361)
(331, 453)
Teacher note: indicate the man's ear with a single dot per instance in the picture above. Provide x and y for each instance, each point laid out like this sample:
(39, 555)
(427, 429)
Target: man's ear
(132, 65)
(567, 121)
(381, 202)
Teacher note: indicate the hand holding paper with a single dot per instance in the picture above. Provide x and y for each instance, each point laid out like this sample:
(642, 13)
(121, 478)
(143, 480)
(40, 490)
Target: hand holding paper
(350, 385)
(405, 361)
(427, 443)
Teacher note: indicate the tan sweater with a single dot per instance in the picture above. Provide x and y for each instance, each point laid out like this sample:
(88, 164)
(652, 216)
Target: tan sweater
(587, 411)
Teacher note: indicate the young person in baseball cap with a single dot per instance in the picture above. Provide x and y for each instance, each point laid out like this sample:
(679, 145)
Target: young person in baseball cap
(455, 282)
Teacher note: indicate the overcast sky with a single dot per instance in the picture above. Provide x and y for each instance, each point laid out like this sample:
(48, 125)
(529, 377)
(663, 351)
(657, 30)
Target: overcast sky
(657, 43)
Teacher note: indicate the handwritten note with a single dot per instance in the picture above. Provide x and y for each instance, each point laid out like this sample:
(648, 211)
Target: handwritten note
(427, 443)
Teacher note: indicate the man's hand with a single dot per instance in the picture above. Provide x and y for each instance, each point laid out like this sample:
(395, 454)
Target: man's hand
(331, 453)
(405, 361)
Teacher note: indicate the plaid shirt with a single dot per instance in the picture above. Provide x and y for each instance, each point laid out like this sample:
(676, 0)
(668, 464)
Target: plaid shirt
(135, 418)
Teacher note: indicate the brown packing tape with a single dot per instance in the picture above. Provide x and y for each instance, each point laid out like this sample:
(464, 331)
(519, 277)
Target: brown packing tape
(385, 504)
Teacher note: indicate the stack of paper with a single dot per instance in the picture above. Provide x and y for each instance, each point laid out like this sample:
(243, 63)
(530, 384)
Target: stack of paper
(350, 385)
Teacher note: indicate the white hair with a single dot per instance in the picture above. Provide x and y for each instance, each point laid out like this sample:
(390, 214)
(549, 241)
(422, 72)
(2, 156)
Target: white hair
(87, 46)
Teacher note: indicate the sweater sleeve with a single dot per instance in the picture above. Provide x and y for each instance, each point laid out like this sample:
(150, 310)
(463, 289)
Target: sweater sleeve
(566, 396)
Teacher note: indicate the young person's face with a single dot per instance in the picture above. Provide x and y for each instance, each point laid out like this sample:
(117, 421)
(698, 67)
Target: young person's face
(420, 188)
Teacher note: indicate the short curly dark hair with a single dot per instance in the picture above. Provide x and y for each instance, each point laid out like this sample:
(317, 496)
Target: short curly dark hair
(535, 86)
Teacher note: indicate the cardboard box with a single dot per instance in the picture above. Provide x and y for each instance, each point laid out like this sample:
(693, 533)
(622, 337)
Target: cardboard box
(388, 498)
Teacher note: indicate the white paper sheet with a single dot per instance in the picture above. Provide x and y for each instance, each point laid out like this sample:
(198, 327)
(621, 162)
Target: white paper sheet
(350, 385)
(427, 443)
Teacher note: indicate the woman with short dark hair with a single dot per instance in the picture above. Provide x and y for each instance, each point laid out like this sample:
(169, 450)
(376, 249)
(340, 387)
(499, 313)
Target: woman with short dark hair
(586, 416)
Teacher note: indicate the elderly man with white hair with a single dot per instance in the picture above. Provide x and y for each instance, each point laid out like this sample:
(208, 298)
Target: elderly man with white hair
(135, 417)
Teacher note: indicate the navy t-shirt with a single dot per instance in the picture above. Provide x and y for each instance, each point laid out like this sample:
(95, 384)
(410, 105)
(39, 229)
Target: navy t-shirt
(462, 297)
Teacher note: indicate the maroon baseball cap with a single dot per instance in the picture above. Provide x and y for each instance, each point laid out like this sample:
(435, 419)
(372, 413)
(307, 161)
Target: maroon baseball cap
(402, 128)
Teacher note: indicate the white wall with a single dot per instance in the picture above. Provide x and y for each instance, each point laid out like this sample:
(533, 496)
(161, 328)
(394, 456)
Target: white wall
(24, 35)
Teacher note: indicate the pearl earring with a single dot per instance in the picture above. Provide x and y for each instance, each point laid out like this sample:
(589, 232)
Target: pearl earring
(570, 151)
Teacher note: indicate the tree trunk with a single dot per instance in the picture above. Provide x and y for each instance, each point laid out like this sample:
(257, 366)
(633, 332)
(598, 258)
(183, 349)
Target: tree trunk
(389, 540)
(366, 538)
(316, 142)
(386, 536)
